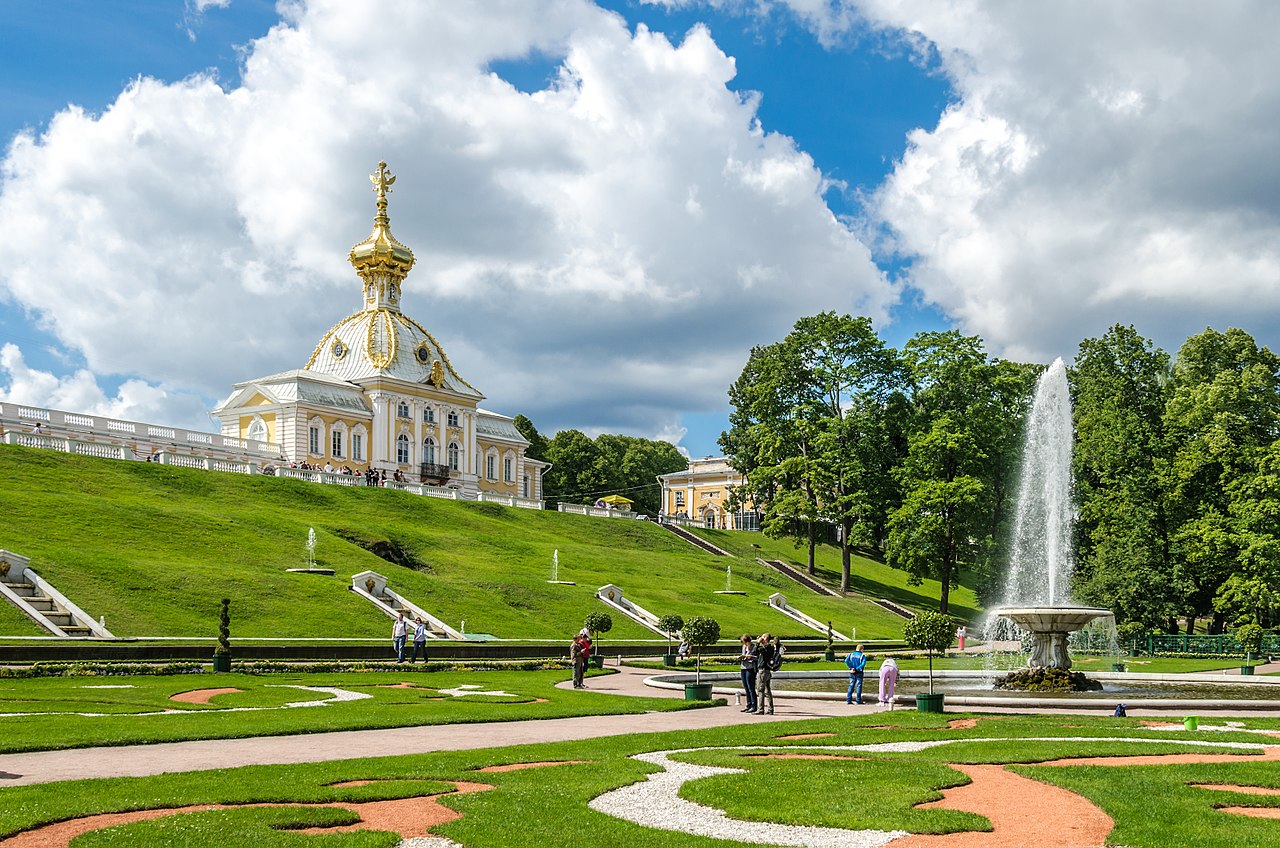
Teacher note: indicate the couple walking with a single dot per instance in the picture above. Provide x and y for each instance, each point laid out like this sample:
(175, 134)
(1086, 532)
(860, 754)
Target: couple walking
(400, 634)
(758, 661)
(580, 655)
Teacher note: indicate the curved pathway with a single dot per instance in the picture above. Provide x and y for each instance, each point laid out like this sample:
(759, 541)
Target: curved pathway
(161, 758)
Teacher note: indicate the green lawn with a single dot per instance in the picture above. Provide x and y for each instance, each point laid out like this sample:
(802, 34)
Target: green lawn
(868, 574)
(153, 548)
(75, 712)
(1153, 806)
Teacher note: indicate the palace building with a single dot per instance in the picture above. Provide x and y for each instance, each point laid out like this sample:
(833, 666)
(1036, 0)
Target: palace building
(701, 492)
(379, 392)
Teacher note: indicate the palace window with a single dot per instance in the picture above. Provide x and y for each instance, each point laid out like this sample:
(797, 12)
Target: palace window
(429, 451)
(679, 500)
(402, 410)
(337, 444)
(258, 430)
(491, 467)
(508, 472)
(402, 449)
(357, 447)
(453, 418)
(313, 441)
(428, 415)
(453, 455)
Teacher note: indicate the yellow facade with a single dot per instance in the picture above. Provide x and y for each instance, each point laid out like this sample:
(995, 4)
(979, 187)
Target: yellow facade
(701, 494)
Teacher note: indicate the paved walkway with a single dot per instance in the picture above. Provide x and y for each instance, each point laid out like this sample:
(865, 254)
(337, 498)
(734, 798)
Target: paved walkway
(143, 760)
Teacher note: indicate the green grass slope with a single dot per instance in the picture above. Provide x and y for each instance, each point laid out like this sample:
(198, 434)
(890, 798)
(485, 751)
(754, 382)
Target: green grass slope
(153, 549)
(868, 573)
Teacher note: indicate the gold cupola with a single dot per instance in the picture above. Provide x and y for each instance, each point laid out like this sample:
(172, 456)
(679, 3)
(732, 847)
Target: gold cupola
(381, 261)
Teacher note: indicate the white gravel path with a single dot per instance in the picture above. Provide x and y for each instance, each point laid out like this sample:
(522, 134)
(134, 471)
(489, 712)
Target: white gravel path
(655, 801)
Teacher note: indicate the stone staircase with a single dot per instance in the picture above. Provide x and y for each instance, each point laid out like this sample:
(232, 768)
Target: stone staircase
(799, 577)
(695, 540)
(21, 586)
(372, 586)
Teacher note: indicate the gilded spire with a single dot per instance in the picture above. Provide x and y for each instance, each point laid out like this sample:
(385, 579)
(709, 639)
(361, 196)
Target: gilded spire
(381, 261)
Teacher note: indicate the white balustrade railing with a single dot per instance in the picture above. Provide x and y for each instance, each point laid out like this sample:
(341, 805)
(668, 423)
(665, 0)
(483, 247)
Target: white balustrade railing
(98, 436)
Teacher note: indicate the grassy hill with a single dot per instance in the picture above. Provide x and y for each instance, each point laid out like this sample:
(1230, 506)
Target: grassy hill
(153, 549)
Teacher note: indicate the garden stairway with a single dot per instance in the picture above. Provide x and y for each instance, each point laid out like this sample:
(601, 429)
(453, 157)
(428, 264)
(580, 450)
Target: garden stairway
(21, 586)
(372, 586)
(695, 540)
(799, 577)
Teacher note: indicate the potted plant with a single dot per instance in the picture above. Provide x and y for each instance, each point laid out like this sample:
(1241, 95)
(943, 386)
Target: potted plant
(1250, 638)
(222, 653)
(670, 624)
(597, 623)
(830, 653)
(699, 631)
(930, 632)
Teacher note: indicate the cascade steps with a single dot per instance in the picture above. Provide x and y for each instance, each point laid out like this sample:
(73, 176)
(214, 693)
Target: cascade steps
(800, 577)
(695, 540)
(22, 587)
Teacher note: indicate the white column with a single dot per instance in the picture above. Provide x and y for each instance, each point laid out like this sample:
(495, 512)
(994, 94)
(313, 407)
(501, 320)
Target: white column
(379, 429)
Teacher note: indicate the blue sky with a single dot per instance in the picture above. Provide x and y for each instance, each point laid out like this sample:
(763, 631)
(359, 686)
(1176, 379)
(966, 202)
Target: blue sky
(984, 170)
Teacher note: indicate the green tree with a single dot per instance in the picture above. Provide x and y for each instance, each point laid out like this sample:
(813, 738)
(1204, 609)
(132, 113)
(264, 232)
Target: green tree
(700, 631)
(770, 441)
(631, 465)
(1222, 416)
(575, 474)
(537, 442)
(930, 632)
(809, 430)
(1120, 385)
(943, 525)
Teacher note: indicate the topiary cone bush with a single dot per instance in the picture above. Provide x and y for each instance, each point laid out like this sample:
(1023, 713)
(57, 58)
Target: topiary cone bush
(224, 628)
(597, 623)
(930, 632)
(700, 631)
(670, 624)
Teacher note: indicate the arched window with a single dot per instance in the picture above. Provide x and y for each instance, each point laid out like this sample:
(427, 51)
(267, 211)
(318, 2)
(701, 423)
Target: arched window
(402, 409)
(258, 430)
(402, 449)
(508, 469)
(709, 519)
(428, 415)
(453, 455)
(524, 488)
(452, 418)
(429, 451)
(491, 465)
(338, 437)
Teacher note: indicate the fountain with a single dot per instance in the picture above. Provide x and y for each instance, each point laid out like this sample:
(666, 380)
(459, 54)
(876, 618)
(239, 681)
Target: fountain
(1036, 590)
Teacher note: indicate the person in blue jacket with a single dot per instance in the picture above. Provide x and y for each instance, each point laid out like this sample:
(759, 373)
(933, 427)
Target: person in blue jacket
(857, 663)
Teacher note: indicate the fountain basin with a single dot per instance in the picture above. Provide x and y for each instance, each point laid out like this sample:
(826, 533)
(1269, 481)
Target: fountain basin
(1049, 628)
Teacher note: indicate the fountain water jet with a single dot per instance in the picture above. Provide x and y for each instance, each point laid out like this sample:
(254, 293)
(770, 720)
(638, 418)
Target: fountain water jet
(1037, 595)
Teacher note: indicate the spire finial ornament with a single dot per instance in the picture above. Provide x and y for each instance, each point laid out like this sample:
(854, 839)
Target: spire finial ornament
(380, 260)
(382, 182)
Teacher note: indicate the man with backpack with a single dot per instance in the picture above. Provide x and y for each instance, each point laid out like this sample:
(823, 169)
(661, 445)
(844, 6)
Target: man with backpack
(770, 660)
(857, 665)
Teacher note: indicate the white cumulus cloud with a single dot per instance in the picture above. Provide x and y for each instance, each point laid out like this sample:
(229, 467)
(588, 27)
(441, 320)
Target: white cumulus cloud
(599, 254)
(1103, 163)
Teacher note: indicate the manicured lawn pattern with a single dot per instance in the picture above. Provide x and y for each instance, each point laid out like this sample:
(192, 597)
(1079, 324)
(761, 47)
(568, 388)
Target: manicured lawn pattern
(74, 712)
(874, 774)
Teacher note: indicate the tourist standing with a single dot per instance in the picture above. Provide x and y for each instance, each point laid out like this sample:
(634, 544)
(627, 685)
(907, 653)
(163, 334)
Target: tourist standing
(398, 632)
(888, 680)
(748, 664)
(578, 656)
(766, 654)
(419, 640)
(857, 665)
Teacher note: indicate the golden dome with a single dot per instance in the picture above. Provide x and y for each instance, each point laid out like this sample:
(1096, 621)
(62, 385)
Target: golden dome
(380, 260)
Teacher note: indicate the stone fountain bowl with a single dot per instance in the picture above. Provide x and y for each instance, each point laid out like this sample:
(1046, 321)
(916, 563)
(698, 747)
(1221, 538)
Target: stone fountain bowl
(1051, 619)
